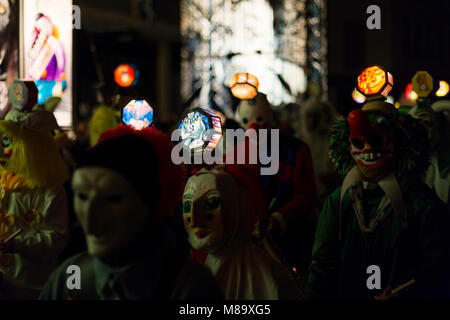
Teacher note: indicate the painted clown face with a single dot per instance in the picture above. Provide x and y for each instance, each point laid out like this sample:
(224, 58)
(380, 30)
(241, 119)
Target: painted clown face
(255, 113)
(202, 213)
(108, 209)
(371, 139)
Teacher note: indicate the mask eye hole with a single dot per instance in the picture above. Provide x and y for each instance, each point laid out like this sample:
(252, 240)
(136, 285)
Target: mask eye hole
(6, 142)
(114, 198)
(187, 207)
(358, 143)
(82, 196)
(209, 217)
(259, 119)
(213, 203)
(188, 219)
(245, 120)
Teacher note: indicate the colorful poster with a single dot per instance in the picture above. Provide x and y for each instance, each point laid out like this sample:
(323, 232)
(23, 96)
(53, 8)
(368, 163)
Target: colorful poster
(47, 54)
(8, 51)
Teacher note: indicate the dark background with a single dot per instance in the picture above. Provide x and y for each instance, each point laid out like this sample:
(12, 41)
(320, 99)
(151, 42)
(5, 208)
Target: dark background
(414, 36)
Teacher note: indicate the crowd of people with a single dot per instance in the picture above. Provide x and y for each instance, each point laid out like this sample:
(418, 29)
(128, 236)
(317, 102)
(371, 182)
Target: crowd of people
(358, 208)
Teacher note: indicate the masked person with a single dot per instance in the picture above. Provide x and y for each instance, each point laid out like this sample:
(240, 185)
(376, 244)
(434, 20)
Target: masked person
(123, 188)
(220, 207)
(314, 128)
(33, 203)
(291, 189)
(437, 176)
(382, 233)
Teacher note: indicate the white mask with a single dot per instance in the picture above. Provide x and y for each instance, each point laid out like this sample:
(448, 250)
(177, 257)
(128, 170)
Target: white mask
(203, 220)
(110, 212)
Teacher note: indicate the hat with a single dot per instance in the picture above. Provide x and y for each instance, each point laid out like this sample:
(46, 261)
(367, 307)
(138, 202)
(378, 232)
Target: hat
(38, 120)
(143, 157)
(134, 159)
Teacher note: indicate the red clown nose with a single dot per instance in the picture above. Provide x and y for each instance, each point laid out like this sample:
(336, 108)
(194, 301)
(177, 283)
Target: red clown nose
(360, 129)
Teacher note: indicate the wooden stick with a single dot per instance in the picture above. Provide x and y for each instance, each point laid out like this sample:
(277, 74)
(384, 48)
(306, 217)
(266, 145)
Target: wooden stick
(13, 235)
(403, 286)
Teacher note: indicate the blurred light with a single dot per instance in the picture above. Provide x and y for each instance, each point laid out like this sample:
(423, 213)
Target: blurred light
(390, 99)
(374, 80)
(244, 86)
(124, 75)
(443, 89)
(410, 94)
(358, 96)
(397, 105)
(137, 114)
(422, 84)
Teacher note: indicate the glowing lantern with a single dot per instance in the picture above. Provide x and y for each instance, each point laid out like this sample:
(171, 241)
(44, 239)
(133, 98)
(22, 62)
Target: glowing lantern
(23, 94)
(244, 86)
(443, 89)
(124, 75)
(200, 130)
(422, 84)
(137, 114)
(358, 96)
(375, 81)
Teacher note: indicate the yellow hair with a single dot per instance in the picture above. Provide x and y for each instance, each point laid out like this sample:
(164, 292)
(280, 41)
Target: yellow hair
(35, 156)
(104, 118)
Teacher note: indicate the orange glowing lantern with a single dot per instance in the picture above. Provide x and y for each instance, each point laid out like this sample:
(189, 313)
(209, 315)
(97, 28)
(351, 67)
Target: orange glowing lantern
(124, 75)
(374, 81)
(244, 86)
(443, 89)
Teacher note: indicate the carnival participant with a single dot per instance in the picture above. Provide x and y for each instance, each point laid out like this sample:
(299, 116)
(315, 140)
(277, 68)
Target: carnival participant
(124, 187)
(383, 232)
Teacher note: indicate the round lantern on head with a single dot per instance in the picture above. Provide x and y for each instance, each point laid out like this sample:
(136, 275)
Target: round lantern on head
(244, 86)
(200, 130)
(137, 114)
(125, 75)
(423, 84)
(23, 94)
(374, 82)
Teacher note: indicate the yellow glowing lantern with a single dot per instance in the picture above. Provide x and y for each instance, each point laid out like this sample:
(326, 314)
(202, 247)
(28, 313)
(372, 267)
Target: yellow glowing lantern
(443, 89)
(358, 96)
(244, 86)
(375, 81)
(422, 84)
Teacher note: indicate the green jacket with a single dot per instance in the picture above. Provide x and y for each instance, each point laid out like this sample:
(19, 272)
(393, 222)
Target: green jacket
(418, 251)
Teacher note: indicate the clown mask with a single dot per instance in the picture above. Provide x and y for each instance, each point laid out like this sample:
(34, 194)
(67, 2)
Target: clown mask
(110, 212)
(202, 213)
(371, 139)
(255, 113)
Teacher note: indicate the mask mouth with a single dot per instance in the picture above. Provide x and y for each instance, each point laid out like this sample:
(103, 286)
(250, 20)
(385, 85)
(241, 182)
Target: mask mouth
(201, 234)
(371, 159)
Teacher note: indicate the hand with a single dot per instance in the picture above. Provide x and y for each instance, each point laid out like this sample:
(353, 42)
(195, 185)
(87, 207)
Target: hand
(387, 294)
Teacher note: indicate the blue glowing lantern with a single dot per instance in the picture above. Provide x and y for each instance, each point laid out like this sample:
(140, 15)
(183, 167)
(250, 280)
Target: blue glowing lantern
(137, 114)
(200, 130)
